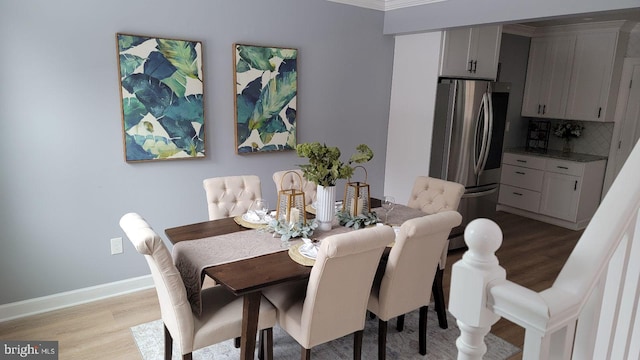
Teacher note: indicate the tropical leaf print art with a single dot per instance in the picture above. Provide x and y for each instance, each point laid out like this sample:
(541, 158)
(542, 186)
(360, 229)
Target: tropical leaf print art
(266, 80)
(162, 104)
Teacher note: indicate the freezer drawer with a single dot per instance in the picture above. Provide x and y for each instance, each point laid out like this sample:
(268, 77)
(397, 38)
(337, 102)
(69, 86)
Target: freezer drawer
(519, 198)
(522, 177)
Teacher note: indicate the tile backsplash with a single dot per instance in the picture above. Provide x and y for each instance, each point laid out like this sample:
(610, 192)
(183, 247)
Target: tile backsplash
(595, 139)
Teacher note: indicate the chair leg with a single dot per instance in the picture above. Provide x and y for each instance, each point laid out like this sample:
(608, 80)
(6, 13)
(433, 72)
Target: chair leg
(265, 350)
(400, 323)
(305, 354)
(168, 343)
(382, 340)
(357, 344)
(236, 342)
(422, 330)
(438, 299)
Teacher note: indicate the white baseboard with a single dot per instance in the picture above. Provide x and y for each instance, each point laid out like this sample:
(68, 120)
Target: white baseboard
(75, 297)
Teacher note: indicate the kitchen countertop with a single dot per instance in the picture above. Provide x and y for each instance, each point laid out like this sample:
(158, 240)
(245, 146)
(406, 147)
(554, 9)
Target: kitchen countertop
(556, 154)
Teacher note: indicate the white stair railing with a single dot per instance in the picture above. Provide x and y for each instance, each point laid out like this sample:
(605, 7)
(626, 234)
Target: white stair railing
(590, 311)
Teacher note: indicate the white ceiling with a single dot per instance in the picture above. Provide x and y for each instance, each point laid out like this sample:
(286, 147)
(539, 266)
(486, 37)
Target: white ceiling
(385, 5)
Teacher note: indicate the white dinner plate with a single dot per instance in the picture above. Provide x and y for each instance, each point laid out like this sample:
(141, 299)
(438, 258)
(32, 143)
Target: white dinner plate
(249, 219)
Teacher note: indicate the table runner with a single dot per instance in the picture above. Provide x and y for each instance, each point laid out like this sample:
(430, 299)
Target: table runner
(191, 257)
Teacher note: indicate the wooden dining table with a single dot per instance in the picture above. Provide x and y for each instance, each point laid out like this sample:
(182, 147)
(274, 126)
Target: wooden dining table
(245, 277)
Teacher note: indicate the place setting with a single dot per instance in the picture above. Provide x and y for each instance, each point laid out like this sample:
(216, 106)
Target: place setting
(305, 252)
(257, 217)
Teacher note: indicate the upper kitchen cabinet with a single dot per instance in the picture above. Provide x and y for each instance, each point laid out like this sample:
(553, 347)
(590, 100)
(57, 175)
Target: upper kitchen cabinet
(548, 74)
(471, 52)
(574, 71)
(597, 65)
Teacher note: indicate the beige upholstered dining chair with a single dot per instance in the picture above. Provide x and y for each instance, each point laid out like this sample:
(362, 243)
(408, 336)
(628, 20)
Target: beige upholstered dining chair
(221, 317)
(333, 302)
(410, 268)
(231, 195)
(433, 196)
(285, 179)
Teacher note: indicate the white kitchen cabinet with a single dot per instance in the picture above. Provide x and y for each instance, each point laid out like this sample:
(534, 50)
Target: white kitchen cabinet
(596, 54)
(557, 191)
(574, 71)
(548, 75)
(471, 52)
(560, 196)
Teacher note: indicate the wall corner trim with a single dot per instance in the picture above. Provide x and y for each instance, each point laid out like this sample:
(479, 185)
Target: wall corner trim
(47, 303)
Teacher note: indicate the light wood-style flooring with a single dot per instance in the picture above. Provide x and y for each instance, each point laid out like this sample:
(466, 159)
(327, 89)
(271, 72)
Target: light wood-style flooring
(532, 253)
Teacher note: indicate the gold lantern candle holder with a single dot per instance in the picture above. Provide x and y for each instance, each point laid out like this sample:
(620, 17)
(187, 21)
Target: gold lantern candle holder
(357, 199)
(291, 203)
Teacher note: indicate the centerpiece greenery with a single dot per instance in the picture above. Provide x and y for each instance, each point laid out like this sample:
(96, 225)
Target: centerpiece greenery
(288, 230)
(358, 221)
(324, 167)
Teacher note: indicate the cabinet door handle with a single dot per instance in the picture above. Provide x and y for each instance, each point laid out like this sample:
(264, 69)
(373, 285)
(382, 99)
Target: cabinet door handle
(562, 167)
(522, 161)
(599, 112)
(575, 186)
(539, 106)
(544, 109)
(519, 173)
(519, 194)
(475, 66)
(470, 67)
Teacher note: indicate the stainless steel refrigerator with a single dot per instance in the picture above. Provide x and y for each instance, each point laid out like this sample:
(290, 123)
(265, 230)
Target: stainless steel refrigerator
(468, 132)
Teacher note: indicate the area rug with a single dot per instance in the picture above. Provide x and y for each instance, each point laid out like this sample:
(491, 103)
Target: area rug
(404, 345)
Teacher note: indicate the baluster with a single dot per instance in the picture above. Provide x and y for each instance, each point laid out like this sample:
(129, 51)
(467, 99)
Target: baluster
(469, 279)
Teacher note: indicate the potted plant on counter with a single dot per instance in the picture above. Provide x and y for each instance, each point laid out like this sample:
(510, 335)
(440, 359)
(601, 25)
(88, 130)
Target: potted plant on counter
(324, 169)
(568, 130)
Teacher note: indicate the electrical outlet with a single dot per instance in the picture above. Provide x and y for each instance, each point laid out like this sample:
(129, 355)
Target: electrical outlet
(116, 246)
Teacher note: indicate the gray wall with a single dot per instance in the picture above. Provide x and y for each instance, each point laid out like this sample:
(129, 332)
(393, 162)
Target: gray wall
(64, 183)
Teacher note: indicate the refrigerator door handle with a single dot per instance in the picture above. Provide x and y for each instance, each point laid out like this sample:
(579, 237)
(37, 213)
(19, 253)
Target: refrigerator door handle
(482, 119)
(489, 127)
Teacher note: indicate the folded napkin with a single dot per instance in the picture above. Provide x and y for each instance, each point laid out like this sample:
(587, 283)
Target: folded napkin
(308, 250)
(252, 216)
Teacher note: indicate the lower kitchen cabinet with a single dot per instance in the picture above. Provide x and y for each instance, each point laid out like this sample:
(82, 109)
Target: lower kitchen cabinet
(557, 191)
(560, 196)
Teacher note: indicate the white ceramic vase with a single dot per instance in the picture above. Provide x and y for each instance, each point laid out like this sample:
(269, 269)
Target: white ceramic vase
(325, 206)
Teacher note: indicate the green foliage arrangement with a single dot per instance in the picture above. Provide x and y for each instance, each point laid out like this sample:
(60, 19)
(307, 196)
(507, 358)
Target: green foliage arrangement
(287, 230)
(357, 222)
(324, 167)
(568, 129)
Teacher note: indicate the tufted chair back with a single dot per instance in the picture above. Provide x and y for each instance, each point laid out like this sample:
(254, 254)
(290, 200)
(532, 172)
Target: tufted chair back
(435, 195)
(221, 317)
(174, 305)
(333, 303)
(290, 181)
(231, 195)
(409, 272)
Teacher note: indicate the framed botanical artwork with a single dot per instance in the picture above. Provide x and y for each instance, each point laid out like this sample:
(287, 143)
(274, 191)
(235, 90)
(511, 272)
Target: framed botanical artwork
(162, 88)
(266, 83)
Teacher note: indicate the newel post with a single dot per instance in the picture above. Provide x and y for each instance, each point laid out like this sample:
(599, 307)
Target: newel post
(469, 279)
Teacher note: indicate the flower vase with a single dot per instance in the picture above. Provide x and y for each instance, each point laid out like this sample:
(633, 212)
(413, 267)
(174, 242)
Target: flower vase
(567, 147)
(325, 207)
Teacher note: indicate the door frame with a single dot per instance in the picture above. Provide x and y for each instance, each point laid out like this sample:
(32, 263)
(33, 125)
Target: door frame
(623, 98)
